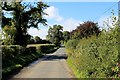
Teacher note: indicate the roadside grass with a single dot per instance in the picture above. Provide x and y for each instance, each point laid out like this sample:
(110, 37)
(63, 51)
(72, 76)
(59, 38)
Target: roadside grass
(73, 68)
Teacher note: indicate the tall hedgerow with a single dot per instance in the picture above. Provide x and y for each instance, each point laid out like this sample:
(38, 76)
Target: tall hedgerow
(96, 56)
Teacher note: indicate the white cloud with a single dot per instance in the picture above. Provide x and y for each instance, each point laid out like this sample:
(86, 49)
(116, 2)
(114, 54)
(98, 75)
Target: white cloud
(70, 24)
(53, 13)
(101, 20)
(108, 20)
(35, 32)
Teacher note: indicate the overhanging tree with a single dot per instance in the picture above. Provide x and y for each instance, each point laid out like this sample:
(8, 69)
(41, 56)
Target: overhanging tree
(25, 15)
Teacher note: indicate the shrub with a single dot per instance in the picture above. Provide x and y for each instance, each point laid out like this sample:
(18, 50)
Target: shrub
(96, 57)
(70, 46)
(32, 49)
(43, 48)
(14, 55)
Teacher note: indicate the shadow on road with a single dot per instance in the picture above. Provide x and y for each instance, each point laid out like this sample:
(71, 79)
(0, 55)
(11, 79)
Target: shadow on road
(54, 57)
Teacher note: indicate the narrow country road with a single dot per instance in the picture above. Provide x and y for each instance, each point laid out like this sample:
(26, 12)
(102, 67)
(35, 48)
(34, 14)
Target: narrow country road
(50, 66)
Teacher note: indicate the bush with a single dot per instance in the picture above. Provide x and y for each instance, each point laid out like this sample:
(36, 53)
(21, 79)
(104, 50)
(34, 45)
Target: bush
(96, 57)
(70, 46)
(14, 55)
(44, 48)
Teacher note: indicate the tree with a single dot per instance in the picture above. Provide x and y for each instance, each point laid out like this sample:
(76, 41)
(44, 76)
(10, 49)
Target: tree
(25, 15)
(66, 36)
(6, 21)
(55, 34)
(8, 33)
(37, 40)
(85, 30)
(30, 39)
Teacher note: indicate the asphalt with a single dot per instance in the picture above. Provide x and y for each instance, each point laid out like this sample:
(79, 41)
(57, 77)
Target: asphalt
(50, 66)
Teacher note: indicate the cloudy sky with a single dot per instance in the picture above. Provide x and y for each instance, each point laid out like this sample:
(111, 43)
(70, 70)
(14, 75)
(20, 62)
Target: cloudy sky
(71, 14)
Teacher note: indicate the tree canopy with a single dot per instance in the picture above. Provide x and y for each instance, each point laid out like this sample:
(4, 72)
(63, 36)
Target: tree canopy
(55, 34)
(66, 36)
(24, 16)
(85, 30)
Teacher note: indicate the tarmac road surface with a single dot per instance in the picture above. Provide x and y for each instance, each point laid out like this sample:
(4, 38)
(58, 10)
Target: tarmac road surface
(50, 66)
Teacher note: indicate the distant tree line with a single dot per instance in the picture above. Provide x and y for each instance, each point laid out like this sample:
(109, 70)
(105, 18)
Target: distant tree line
(57, 36)
(37, 40)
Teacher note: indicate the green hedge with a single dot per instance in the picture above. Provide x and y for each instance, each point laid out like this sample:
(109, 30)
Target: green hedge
(43, 48)
(15, 56)
(96, 57)
(70, 46)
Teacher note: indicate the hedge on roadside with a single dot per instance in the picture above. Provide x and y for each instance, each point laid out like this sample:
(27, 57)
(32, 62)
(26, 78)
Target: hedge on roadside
(43, 48)
(15, 56)
(96, 57)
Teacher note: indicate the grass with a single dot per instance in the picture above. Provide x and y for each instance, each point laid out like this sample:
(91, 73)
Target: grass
(74, 70)
(30, 45)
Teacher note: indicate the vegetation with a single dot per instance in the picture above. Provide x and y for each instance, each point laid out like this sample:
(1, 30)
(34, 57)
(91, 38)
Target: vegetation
(16, 52)
(43, 48)
(91, 53)
(55, 34)
(37, 39)
(24, 16)
(85, 30)
(96, 56)
(15, 56)
(66, 36)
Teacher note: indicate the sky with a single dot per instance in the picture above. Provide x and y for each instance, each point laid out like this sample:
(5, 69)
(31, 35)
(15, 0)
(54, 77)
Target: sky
(71, 14)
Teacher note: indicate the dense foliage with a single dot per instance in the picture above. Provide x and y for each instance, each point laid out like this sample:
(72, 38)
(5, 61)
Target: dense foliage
(55, 34)
(66, 36)
(24, 16)
(85, 29)
(37, 40)
(96, 56)
(43, 48)
(15, 56)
